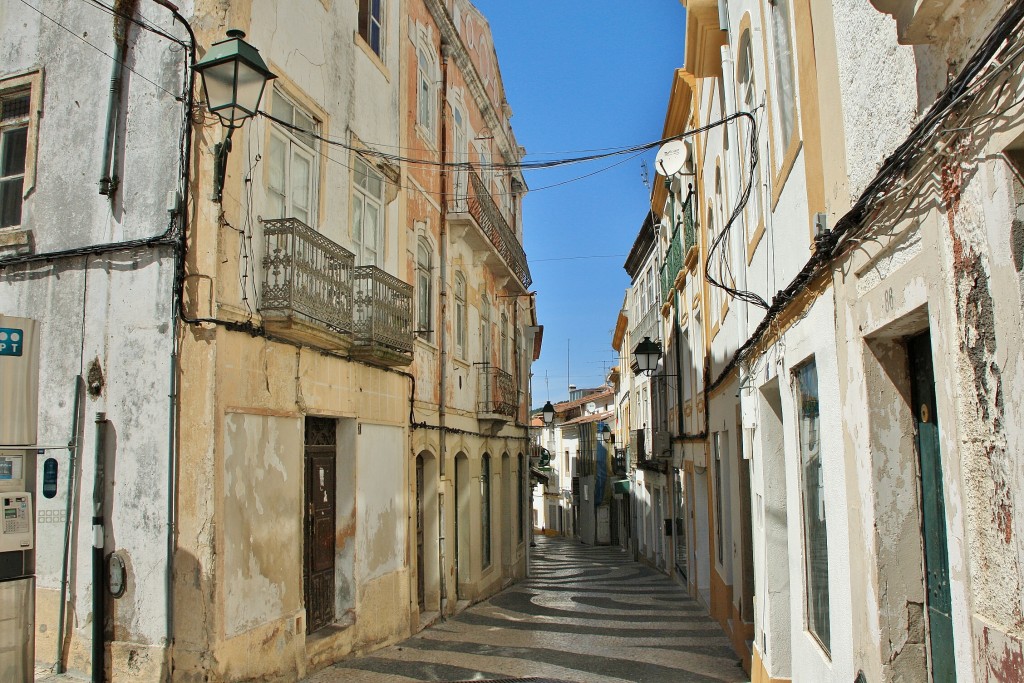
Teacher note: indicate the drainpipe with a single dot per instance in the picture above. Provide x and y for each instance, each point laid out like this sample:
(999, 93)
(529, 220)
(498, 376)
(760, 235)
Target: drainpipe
(99, 616)
(111, 159)
(73, 446)
(442, 369)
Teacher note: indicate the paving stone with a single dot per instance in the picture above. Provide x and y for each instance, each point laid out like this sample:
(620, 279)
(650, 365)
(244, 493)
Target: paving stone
(586, 614)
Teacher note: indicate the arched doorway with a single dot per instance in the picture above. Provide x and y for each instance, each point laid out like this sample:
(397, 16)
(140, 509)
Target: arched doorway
(506, 515)
(428, 575)
(462, 525)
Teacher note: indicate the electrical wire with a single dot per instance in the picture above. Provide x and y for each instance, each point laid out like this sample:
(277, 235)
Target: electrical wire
(98, 49)
(138, 21)
(897, 171)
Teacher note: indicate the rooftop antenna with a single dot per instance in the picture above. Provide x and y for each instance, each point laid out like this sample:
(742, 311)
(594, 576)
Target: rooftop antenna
(547, 386)
(645, 175)
(568, 379)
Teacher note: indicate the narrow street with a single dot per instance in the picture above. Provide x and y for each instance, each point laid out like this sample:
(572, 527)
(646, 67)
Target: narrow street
(586, 614)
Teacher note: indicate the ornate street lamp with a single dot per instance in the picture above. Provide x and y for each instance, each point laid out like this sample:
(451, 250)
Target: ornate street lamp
(604, 433)
(646, 355)
(234, 77)
(548, 413)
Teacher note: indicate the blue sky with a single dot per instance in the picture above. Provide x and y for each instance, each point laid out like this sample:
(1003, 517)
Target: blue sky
(581, 75)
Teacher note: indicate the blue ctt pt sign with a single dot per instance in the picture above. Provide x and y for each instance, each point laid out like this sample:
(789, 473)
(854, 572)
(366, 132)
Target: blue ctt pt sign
(11, 341)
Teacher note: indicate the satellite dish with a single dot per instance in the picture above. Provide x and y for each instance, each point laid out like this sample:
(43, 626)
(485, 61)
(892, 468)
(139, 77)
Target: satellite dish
(591, 408)
(671, 158)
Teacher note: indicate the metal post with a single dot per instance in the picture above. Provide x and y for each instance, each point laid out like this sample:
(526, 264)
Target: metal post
(99, 616)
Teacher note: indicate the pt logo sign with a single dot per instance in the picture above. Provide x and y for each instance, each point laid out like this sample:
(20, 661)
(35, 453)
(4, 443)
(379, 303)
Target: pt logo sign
(11, 341)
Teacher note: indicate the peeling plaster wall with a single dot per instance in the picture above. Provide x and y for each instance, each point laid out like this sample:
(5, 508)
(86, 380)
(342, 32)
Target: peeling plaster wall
(262, 520)
(113, 312)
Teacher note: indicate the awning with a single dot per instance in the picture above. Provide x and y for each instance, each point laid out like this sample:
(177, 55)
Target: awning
(538, 475)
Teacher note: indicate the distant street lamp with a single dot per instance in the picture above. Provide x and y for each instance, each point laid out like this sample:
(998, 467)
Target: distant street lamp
(234, 77)
(548, 413)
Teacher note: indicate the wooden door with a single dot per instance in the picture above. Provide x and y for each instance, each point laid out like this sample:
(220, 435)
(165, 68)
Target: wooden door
(318, 569)
(933, 508)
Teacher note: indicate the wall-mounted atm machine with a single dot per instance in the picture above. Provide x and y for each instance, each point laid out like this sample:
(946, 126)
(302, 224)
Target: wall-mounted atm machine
(19, 381)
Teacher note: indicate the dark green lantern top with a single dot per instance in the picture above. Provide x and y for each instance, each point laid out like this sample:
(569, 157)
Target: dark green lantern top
(234, 76)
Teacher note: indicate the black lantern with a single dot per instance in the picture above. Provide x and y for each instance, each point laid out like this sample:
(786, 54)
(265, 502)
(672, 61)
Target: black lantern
(548, 413)
(604, 433)
(234, 76)
(646, 355)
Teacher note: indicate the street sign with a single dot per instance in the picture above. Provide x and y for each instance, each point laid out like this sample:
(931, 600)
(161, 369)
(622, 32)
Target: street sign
(11, 341)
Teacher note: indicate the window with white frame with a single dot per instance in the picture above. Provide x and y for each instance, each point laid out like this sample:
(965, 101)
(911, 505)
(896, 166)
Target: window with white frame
(371, 24)
(485, 329)
(486, 173)
(785, 81)
(505, 345)
(367, 213)
(15, 107)
(813, 499)
(460, 154)
(293, 174)
(460, 315)
(426, 91)
(748, 101)
(424, 290)
(651, 300)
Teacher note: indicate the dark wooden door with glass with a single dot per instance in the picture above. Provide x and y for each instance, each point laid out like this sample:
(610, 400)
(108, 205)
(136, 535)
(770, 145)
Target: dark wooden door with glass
(933, 522)
(318, 551)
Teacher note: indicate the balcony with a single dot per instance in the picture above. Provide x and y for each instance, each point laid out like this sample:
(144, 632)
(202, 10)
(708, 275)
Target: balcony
(499, 400)
(473, 213)
(306, 294)
(678, 255)
(382, 317)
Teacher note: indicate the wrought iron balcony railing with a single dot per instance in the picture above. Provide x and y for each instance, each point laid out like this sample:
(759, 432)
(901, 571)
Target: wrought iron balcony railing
(474, 197)
(497, 390)
(305, 276)
(673, 264)
(382, 317)
(689, 227)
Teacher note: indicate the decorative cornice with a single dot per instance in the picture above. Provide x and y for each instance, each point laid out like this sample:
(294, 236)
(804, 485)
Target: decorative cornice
(450, 36)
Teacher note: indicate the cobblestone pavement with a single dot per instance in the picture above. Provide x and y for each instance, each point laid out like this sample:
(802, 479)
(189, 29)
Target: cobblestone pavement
(586, 614)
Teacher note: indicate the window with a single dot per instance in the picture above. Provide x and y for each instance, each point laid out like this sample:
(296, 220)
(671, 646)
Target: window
(367, 213)
(650, 289)
(485, 329)
(14, 146)
(813, 494)
(371, 24)
(485, 510)
(505, 346)
(426, 94)
(460, 315)
(460, 152)
(424, 291)
(785, 88)
(293, 176)
(484, 155)
(748, 100)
